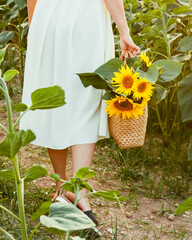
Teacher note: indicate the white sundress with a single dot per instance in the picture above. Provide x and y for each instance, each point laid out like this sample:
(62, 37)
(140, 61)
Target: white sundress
(67, 37)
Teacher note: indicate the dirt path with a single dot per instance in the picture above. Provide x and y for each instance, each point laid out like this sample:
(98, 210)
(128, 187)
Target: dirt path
(145, 218)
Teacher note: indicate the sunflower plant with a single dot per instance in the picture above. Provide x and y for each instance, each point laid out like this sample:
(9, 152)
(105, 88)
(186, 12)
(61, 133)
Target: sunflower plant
(126, 84)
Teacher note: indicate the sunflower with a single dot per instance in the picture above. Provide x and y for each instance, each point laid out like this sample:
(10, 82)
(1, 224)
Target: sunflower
(142, 103)
(124, 80)
(143, 89)
(124, 107)
(145, 59)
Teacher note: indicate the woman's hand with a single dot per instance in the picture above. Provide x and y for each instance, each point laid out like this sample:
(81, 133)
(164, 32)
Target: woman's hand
(127, 44)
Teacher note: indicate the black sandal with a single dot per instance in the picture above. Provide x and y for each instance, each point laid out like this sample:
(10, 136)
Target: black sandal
(89, 214)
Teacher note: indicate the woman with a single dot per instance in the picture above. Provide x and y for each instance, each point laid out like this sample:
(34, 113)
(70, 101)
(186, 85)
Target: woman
(68, 37)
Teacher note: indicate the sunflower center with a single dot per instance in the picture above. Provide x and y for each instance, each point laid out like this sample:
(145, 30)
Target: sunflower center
(127, 81)
(142, 87)
(124, 106)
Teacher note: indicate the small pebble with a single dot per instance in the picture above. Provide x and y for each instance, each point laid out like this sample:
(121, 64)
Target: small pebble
(171, 217)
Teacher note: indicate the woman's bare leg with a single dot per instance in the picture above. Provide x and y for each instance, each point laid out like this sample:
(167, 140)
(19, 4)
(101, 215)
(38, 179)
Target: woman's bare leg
(58, 159)
(82, 156)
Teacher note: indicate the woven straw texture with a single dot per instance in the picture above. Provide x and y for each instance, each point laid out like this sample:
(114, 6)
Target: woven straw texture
(129, 133)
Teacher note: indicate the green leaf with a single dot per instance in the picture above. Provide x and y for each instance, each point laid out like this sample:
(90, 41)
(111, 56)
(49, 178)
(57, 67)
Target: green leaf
(56, 177)
(151, 74)
(170, 69)
(107, 69)
(20, 107)
(14, 141)
(20, 3)
(180, 10)
(7, 174)
(44, 208)
(108, 95)
(2, 54)
(68, 187)
(190, 149)
(185, 44)
(34, 173)
(161, 93)
(85, 172)
(184, 95)
(6, 36)
(87, 186)
(47, 98)
(10, 74)
(109, 195)
(93, 79)
(185, 206)
(66, 217)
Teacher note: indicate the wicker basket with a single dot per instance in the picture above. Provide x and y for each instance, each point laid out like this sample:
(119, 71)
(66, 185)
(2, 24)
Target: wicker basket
(129, 133)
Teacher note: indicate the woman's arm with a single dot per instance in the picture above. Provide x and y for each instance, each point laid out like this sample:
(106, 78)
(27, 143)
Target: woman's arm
(117, 12)
(30, 6)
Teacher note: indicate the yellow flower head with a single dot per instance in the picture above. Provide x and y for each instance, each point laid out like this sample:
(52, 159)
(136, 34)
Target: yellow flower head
(124, 80)
(145, 59)
(124, 107)
(143, 89)
(143, 103)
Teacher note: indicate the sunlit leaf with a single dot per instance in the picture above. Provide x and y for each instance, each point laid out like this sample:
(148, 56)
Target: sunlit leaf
(85, 172)
(7, 174)
(34, 173)
(14, 141)
(180, 10)
(10, 74)
(151, 74)
(185, 206)
(2, 54)
(20, 107)
(47, 98)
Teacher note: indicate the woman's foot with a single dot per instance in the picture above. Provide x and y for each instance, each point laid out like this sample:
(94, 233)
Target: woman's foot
(83, 204)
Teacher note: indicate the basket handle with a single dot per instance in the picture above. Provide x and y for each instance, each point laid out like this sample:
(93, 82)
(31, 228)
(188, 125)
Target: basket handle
(128, 54)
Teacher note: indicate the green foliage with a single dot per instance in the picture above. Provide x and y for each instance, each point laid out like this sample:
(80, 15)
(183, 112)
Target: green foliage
(185, 206)
(65, 217)
(34, 173)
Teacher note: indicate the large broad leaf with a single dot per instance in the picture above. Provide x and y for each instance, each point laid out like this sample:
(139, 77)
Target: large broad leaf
(2, 54)
(47, 98)
(151, 74)
(185, 44)
(10, 74)
(44, 208)
(14, 141)
(185, 206)
(6, 36)
(93, 79)
(7, 174)
(107, 69)
(34, 173)
(85, 172)
(66, 217)
(184, 95)
(190, 149)
(170, 69)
